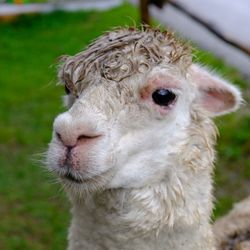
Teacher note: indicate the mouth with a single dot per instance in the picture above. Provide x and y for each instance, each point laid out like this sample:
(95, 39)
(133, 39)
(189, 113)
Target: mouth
(76, 178)
(69, 176)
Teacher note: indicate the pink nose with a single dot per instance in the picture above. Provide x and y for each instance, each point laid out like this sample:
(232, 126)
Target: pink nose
(73, 141)
(72, 133)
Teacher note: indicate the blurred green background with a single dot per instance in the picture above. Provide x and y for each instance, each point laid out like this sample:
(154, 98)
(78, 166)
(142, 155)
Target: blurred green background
(34, 210)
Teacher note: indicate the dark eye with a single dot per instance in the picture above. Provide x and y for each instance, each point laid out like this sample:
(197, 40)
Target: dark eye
(163, 97)
(67, 91)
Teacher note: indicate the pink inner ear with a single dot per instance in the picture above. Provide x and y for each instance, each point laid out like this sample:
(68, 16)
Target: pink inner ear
(216, 95)
(216, 100)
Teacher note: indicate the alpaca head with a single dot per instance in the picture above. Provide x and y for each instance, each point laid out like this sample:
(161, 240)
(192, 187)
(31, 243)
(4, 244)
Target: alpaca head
(131, 96)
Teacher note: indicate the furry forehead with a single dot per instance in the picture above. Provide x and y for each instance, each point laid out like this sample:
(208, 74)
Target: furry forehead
(121, 53)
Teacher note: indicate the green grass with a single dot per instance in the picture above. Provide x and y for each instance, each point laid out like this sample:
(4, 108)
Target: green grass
(232, 172)
(26, 1)
(34, 212)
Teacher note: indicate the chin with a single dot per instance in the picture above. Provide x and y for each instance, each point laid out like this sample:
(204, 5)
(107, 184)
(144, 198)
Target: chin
(80, 184)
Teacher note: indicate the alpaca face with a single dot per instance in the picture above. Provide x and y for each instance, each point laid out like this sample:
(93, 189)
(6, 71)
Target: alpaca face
(122, 136)
(129, 132)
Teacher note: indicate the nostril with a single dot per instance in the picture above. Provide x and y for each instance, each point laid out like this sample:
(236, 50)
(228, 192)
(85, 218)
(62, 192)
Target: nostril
(68, 145)
(82, 138)
(58, 136)
(71, 140)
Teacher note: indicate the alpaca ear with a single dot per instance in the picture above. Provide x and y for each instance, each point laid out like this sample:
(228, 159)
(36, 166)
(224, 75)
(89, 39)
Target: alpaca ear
(215, 95)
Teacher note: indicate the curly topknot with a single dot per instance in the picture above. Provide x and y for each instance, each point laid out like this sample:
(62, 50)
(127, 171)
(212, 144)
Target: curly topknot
(121, 53)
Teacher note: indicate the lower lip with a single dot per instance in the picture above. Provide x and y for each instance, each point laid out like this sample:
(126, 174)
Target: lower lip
(71, 178)
(95, 179)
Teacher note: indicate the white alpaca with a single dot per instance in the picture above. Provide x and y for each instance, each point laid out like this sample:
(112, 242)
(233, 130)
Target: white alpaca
(134, 150)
